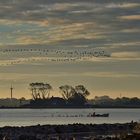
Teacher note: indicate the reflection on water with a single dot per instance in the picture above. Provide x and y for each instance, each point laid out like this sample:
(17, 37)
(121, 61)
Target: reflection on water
(26, 117)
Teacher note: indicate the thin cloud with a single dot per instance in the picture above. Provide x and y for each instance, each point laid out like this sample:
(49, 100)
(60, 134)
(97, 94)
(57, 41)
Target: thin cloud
(123, 5)
(126, 54)
(130, 17)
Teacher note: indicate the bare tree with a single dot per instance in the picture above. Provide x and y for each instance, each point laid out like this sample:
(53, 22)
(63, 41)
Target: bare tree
(67, 91)
(33, 89)
(45, 90)
(40, 90)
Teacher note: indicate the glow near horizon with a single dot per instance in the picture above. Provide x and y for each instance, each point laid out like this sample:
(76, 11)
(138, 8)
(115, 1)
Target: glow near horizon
(113, 26)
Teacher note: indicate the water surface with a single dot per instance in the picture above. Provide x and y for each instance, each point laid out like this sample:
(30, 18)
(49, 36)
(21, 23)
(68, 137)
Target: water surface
(27, 117)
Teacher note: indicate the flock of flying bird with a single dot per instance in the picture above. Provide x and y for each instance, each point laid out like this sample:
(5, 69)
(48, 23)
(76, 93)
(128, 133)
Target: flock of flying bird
(20, 56)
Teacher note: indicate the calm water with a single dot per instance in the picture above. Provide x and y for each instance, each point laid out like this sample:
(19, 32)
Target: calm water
(26, 117)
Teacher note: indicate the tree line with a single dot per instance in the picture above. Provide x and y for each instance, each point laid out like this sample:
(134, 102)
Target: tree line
(106, 101)
(70, 95)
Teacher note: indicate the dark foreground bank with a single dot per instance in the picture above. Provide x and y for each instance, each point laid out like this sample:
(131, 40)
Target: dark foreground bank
(127, 131)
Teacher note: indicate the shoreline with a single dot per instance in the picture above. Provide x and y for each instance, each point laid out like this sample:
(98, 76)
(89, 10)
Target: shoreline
(45, 132)
(69, 107)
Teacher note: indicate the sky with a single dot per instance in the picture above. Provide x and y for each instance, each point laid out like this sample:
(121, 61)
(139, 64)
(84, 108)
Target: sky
(110, 25)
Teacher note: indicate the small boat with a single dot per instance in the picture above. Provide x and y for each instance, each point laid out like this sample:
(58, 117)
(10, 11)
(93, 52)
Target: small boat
(98, 115)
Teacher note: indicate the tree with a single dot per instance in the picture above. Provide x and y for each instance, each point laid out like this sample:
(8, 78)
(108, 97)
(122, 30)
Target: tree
(40, 90)
(81, 90)
(67, 91)
(77, 99)
(74, 96)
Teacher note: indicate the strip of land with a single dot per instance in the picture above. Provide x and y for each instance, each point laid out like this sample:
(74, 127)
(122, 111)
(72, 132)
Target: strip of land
(72, 131)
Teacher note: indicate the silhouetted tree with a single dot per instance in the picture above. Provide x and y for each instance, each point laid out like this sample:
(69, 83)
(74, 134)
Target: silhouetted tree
(81, 90)
(74, 96)
(67, 91)
(40, 90)
(77, 99)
